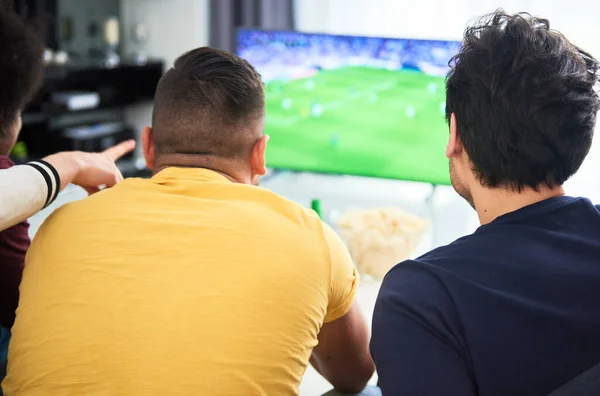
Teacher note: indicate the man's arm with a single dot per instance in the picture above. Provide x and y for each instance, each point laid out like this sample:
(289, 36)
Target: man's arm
(23, 192)
(414, 342)
(26, 189)
(342, 356)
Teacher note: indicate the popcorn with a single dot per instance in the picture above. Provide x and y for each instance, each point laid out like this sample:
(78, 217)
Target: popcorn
(380, 238)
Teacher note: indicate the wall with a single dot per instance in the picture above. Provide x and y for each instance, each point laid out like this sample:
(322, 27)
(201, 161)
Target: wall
(386, 18)
(435, 18)
(174, 27)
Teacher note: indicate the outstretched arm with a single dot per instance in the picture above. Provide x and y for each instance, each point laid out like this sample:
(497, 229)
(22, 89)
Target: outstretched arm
(26, 189)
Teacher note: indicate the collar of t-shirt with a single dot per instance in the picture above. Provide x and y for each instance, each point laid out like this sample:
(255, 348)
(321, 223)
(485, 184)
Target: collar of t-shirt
(547, 205)
(195, 174)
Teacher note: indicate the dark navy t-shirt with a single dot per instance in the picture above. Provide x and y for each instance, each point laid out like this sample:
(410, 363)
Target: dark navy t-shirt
(513, 309)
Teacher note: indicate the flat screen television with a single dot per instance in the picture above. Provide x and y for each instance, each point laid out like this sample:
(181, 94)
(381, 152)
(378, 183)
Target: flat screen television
(349, 105)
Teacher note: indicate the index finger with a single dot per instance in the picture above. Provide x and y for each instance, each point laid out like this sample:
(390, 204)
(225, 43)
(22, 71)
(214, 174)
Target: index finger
(119, 150)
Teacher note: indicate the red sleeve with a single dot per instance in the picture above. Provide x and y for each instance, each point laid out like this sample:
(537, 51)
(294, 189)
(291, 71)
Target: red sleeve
(14, 243)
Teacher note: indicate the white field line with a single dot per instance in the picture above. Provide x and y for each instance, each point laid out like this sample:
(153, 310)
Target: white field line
(289, 121)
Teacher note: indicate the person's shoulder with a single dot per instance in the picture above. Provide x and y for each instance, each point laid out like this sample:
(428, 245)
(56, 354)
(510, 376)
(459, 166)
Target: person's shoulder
(434, 267)
(463, 249)
(274, 198)
(291, 210)
(108, 195)
(80, 209)
(412, 278)
(294, 223)
(413, 291)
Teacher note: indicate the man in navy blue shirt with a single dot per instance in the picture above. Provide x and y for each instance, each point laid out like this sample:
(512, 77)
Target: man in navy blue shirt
(513, 309)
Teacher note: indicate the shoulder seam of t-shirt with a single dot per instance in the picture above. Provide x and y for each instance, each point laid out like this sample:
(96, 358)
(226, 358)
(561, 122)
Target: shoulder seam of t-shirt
(325, 241)
(343, 308)
(421, 266)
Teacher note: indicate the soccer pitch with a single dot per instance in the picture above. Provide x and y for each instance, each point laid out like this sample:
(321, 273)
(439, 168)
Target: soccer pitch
(360, 121)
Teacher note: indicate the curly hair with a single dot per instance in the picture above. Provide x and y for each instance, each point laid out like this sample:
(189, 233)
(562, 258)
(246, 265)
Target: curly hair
(525, 101)
(21, 66)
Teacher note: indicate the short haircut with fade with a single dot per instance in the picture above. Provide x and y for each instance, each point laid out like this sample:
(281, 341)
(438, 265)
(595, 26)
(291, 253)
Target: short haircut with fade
(525, 101)
(209, 103)
(21, 67)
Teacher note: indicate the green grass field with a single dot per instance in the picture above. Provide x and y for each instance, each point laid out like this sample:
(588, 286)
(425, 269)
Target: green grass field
(373, 122)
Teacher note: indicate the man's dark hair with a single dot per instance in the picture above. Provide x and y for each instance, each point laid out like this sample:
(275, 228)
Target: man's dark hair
(208, 103)
(21, 66)
(525, 101)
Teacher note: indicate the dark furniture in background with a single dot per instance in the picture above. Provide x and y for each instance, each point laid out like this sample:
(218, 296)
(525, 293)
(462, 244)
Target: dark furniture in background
(81, 103)
(72, 25)
(45, 121)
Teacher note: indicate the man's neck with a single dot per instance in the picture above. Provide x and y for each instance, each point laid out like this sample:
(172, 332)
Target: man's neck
(493, 203)
(218, 165)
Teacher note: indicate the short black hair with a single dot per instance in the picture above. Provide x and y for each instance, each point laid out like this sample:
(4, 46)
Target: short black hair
(21, 66)
(207, 103)
(525, 101)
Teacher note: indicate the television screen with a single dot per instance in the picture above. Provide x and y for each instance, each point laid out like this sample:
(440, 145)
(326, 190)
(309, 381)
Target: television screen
(353, 105)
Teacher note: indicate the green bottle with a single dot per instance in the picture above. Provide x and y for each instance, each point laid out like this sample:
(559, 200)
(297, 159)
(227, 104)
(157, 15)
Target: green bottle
(315, 204)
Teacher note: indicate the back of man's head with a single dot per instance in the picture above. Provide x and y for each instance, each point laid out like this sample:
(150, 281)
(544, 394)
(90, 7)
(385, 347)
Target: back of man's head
(21, 66)
(525, 101)
(211, 103)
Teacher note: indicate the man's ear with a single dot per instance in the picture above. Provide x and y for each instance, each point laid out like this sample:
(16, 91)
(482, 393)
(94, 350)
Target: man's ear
(148, 147)
(258, 161)
(455, 146)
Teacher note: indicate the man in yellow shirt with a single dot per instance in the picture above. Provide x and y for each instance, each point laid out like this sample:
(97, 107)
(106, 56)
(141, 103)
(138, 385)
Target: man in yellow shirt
(194, 282)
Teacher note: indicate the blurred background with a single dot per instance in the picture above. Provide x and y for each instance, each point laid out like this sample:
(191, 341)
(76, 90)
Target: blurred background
(375, 178)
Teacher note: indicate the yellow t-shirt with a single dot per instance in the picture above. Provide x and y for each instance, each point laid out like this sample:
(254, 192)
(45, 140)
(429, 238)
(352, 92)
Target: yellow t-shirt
(183, 284)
